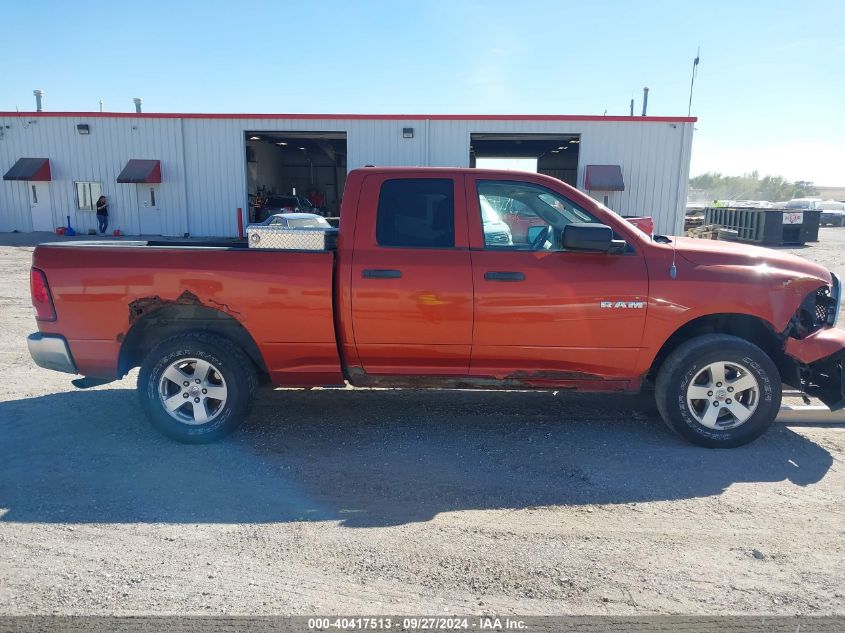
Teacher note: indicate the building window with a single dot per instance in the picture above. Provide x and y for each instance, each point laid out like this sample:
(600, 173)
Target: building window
(152, 196)
(34, 195)
(87, 194)
(417, 213)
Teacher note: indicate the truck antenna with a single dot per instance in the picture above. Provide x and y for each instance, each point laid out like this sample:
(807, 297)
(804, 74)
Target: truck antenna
(673, 270)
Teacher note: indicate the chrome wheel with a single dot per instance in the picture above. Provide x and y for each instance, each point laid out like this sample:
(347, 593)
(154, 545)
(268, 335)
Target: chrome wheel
(192, 391)
(723, 395)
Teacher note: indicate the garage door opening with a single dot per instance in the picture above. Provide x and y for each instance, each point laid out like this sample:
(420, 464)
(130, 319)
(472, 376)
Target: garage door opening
(295, 171)
(551, 154)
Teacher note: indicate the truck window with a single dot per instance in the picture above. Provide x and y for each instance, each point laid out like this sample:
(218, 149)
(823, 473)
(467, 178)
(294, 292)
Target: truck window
(513, 212)
(416, 212)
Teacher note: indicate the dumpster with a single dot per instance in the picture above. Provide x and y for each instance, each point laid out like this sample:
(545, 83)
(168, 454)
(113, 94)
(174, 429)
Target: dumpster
(767, 227)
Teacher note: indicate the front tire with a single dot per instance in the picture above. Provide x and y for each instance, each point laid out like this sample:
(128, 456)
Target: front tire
(196, 387)
(718, 391)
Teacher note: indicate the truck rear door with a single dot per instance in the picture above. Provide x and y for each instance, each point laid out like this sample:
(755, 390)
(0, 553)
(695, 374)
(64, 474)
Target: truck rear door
(411, 275)
(545, 315)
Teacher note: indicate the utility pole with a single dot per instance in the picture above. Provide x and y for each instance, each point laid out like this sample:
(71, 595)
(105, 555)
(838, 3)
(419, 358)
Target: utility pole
(692, 81)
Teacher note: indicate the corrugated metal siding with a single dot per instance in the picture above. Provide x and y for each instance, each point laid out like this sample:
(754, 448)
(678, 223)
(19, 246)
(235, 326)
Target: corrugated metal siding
(204, 163)
(99, 157)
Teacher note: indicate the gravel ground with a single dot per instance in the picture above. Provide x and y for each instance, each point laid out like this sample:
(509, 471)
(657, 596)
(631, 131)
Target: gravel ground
(404, 502)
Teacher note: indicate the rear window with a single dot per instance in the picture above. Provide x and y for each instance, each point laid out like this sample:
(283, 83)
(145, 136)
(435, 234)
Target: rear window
(305, 223)
(417, 213)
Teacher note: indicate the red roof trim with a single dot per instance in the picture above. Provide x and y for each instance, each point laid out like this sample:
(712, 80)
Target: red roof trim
(354, 117)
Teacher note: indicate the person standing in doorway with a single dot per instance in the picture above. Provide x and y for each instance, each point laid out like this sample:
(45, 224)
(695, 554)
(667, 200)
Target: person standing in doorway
(102, 214)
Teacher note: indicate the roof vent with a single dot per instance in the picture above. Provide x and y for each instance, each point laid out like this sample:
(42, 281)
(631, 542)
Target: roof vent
(39, 96)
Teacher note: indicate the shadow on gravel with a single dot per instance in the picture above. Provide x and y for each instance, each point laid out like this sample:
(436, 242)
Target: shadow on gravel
(365, 458)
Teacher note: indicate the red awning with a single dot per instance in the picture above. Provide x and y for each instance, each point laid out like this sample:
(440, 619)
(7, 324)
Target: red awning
(29, 169)
(141, 171)
(603, 178)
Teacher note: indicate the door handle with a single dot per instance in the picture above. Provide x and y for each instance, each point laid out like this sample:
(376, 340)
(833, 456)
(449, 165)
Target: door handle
(381, 273)
(504, 276)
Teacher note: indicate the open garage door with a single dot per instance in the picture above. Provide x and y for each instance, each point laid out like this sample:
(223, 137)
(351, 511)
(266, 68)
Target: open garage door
(555, 154)
(295, 171)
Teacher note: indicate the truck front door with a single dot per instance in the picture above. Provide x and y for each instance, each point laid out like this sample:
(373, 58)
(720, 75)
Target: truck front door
(545, 315)
(411, 272)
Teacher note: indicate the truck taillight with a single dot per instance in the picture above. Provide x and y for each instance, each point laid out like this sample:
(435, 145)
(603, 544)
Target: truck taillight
(41, 299)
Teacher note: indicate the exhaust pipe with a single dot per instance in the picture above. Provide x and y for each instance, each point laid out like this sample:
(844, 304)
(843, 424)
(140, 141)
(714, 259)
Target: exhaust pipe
(645, 100)
(138, 101)
(39, 96)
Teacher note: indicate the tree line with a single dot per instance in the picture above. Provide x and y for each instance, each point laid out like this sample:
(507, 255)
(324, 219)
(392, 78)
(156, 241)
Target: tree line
(752, 187)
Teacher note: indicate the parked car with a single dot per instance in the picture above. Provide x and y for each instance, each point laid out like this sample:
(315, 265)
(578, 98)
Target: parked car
(803, 204)
(495, 231)
(833, 213)
(297, 221)
(411, 296)
(286, 204)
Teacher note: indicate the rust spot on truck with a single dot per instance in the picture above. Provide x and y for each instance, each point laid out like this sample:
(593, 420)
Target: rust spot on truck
(547, 379)
(552, 374)
(145, 305)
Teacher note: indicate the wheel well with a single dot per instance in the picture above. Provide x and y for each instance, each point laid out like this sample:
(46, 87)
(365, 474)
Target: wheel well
(170, 320)
(752, 329)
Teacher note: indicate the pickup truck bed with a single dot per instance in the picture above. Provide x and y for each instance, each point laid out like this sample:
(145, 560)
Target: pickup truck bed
(282, 299)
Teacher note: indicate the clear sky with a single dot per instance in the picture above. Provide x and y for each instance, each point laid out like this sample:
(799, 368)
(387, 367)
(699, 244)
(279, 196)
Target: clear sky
(770, 93)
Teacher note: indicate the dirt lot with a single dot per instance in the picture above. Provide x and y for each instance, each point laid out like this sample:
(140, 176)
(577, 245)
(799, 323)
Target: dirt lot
(399, 502)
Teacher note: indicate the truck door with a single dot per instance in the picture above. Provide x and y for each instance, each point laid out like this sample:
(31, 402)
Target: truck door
(411, 273)
(541, 314)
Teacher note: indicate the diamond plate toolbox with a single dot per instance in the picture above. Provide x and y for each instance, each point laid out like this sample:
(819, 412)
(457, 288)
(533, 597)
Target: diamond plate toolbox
(291, 239)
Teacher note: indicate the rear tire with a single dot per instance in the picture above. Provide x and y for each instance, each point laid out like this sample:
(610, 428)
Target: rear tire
(718, 391)
(196, 387)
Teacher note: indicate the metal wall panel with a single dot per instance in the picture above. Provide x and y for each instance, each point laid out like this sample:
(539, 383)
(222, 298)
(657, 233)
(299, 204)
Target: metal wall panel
(204, 164)
(99, 157)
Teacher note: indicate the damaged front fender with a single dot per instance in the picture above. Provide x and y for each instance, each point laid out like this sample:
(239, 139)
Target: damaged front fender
(820, 360)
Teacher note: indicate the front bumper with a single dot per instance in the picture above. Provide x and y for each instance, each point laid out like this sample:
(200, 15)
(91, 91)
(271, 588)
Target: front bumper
(51, 351)
(820, 360)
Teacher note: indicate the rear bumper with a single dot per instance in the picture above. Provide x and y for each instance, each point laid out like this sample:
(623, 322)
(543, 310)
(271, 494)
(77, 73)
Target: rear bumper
(51, 351)
(821, 365)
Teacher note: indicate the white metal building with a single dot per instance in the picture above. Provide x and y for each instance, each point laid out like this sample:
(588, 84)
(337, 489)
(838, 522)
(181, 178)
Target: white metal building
(175, 174)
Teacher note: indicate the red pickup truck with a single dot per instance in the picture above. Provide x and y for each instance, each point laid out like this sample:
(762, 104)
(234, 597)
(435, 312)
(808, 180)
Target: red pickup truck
(429, 288)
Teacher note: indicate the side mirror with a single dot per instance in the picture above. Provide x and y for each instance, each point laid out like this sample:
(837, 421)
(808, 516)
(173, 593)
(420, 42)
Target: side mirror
(590, 237)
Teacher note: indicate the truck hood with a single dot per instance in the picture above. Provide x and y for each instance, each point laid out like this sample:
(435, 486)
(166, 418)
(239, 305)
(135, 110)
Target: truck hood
(715, 253)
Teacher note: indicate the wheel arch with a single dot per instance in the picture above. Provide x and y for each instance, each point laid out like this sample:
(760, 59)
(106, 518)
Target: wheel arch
(745, 326)
(172, 319)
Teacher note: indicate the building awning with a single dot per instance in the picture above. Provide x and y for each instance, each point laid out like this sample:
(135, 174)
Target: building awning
(29, 169)
(603, 178)
(141, 171)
